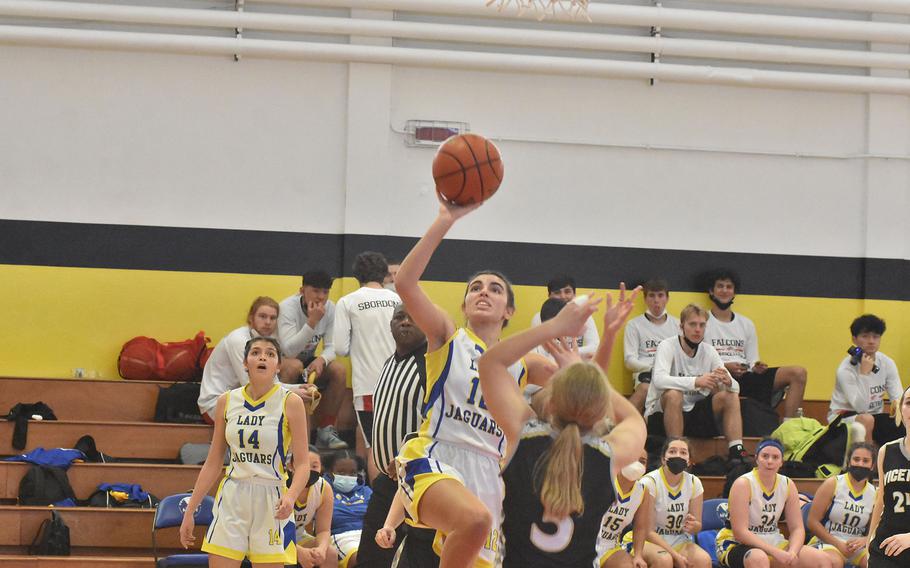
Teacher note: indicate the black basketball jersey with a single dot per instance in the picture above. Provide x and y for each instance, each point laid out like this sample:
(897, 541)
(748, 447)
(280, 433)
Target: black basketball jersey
(532, 543)
(896, 492)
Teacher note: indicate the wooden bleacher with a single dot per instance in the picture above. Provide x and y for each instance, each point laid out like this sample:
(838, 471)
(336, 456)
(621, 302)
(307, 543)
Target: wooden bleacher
(119, 414)
(86, 399)
(159, 479)
(132, 440)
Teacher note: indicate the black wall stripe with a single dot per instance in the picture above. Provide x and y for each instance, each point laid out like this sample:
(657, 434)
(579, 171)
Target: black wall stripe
(272, 252)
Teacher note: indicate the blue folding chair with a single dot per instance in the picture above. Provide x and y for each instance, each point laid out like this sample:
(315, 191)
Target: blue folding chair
(714, 515)
(170, 514)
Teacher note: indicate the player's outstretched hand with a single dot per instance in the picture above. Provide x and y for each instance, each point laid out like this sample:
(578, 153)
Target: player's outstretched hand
(187, 539)
(616, 314)
(454, 212)
(285, 507)
(570, 321)
(639, 562)
(564, 351)
(385, 537)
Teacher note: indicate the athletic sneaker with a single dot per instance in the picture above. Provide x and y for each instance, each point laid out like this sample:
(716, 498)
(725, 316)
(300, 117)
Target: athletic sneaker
(327, 437)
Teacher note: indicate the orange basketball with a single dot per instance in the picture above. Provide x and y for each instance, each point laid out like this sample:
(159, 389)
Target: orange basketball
(467, 169)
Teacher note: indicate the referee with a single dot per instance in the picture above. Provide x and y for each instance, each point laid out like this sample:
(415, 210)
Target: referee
(397, 403)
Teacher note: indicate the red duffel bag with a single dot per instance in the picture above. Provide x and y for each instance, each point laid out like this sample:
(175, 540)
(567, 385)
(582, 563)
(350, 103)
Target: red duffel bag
(146, 359)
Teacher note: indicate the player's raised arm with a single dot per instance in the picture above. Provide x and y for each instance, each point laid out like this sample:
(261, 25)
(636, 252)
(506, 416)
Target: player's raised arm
(501, 393)
(432, 320)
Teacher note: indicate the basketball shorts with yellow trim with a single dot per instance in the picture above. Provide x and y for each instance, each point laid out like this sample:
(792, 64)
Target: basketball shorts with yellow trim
(603, 557)
(855, 559)
(346, 543)
(244, 523)
(424, 461)
(725, 543)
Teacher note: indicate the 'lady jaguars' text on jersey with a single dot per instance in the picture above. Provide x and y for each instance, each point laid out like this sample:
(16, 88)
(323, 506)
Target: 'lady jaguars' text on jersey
(671, 504)
(305, 512)
(455, 411)
(257, 434)
(848, 516)
(619, 515)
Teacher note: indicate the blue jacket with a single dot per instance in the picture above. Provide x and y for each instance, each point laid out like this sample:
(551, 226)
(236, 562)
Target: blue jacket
(350, 509)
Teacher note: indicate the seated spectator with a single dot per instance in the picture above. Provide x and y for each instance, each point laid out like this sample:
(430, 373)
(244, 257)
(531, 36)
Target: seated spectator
(563, 288)
(224, 370)
(313, 515)
(691, 390)
(862, 382)
(362, 329)
(306, 319)
(548, 311)
(643, 334)
(734, 337)
(841, 510)
(352, 498)
(389, 282)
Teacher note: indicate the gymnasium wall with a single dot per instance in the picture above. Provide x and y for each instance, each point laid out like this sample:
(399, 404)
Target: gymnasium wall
(148, 194)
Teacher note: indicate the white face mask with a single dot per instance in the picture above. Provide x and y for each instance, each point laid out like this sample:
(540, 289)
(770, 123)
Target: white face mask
(661, 316)
(633, 471)
(390, 286)
(344, 483)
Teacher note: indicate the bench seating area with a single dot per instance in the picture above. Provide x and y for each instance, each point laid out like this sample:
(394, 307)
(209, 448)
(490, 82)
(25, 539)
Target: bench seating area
(119, 415)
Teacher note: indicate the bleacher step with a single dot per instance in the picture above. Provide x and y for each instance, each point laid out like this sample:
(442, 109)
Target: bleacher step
(25, 561)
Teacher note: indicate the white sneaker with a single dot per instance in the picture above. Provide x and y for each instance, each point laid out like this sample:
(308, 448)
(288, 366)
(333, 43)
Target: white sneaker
(327, 437)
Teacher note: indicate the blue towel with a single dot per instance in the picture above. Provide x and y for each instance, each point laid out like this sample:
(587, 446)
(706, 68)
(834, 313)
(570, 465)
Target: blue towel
(57, 457)
(135, 492)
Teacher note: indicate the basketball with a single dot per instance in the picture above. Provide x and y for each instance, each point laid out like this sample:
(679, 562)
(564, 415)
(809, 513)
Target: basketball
(467, 169)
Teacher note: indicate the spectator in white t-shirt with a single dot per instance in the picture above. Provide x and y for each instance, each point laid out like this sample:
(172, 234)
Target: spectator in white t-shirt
(643, 334)
(563, 287)
(863, 379)
(224, 371)
(691, 393)
(362, 329)
(734, 337)
(389, 282)
(307, 319)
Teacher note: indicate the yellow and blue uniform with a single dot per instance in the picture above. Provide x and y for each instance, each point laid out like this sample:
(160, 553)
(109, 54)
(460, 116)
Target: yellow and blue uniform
(671, 505)
(848, 516)
(458, 439)
(258, 438)
(766, 505)
(617, 518)
(305, 512)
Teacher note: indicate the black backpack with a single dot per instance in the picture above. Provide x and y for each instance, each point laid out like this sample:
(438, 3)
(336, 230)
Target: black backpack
(759, 419)
(86, 445)
(102, 498)
(178, 404)
(21, 414)
(42, 485)
(735, 473)
(53, 538)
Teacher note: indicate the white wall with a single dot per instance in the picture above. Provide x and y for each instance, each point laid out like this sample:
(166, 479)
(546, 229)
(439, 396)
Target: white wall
(172, 140)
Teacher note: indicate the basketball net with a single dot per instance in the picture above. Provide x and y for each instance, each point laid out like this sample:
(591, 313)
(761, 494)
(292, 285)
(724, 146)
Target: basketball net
(544, 8)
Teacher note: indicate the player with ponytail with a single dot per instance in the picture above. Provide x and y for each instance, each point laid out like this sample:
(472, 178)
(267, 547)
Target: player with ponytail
(556, 464)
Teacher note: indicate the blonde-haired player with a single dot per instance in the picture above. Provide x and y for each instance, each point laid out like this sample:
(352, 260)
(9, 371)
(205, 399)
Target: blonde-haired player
(260, 423)
(758, 500)
(449, 473)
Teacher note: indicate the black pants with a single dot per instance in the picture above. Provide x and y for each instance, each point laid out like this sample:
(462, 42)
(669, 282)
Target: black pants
(370, 554)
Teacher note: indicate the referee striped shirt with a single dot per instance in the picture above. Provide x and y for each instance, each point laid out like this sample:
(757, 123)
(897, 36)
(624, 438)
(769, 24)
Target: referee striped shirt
(397, 403)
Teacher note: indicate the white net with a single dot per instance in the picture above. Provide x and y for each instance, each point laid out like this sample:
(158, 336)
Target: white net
(544, 8)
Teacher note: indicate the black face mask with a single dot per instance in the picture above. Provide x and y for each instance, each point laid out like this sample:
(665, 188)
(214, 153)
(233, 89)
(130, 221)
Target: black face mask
(677, 465)
(692, 345)
(314, 477)
(719, 304)
(859, 472)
